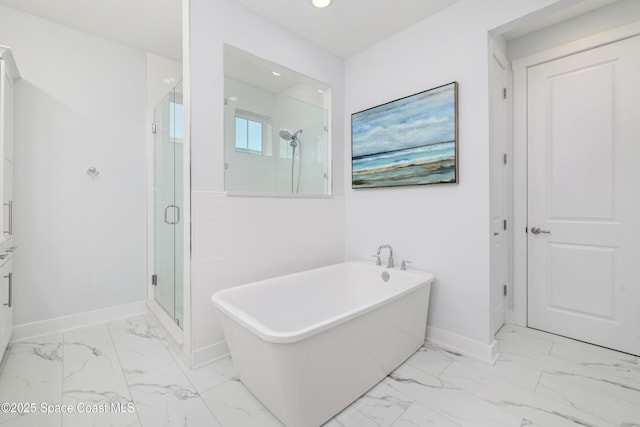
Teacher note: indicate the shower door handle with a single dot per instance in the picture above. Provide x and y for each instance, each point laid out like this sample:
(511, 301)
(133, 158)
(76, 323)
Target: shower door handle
(166, 215)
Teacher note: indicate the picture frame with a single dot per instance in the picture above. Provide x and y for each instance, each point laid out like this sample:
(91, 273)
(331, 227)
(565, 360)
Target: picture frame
(408, 141)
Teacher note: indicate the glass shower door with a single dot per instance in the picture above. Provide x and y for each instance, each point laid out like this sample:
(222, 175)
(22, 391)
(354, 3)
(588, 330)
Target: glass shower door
(168, 228)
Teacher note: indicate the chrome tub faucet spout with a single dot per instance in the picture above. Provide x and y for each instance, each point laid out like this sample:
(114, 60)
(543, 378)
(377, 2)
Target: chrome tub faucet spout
(390, 260)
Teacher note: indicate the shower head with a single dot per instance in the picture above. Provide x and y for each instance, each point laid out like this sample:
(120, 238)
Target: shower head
(285, 134)
(288, 136)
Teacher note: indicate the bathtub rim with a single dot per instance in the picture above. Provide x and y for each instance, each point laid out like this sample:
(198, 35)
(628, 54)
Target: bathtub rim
(267, 334)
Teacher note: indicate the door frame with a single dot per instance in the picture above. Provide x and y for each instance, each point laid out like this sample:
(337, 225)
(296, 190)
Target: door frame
(518, 313)
(497, 54)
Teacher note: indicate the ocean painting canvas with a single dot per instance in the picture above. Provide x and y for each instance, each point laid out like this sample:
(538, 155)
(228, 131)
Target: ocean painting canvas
(409, 141)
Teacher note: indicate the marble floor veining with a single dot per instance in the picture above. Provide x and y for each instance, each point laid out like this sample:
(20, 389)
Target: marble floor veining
(126, 373)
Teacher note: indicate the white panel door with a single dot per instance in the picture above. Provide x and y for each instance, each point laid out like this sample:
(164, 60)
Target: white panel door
(584, 196)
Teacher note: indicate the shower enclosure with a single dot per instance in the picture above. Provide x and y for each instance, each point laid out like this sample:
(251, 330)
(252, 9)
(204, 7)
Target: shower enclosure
(167, 188)
(276, 129)
(274, 142)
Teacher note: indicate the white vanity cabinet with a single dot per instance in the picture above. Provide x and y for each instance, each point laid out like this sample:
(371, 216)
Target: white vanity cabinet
(9, 75)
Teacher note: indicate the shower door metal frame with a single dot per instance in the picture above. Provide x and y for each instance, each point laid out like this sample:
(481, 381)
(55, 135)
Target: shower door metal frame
(181, 335)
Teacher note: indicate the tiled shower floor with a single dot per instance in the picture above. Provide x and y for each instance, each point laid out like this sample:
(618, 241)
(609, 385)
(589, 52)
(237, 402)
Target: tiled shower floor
(539, 380)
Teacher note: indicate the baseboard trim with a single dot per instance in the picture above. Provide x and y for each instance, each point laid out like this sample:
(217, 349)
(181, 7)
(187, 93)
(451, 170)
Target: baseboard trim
(209, 354)
(484, 352)
(73, 321)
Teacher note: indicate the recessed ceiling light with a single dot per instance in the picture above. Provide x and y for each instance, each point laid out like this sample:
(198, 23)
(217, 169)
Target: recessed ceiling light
(320, 3)
(275, 73)
(320, 91)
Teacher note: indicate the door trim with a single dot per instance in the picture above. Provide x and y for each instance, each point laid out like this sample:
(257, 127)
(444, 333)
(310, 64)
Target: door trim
(518, 313)
(497, 55)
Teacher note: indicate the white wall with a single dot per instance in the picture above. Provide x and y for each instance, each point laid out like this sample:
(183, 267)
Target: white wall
(80, 103)
(236, 239)
(442, 228)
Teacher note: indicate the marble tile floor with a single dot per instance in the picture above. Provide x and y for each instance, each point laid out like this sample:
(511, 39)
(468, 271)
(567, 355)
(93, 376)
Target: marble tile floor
(127, 373)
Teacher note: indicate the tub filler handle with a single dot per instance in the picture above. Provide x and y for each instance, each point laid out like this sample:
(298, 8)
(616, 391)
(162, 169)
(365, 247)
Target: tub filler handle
(403, 265)
(378, 262)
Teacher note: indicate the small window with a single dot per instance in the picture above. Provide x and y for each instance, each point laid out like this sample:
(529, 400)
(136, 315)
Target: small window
(249, 135)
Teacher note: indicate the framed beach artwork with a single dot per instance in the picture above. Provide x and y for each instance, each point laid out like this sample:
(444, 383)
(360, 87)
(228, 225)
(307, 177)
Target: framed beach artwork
(409, 141)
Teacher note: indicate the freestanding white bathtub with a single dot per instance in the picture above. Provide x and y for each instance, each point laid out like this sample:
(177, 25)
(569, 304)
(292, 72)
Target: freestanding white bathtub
(310, 343)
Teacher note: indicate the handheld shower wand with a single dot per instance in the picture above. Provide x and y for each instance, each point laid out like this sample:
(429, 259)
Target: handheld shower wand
(293, 142)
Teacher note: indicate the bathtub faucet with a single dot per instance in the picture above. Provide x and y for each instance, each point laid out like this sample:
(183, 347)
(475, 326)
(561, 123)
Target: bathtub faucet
(390, 260)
